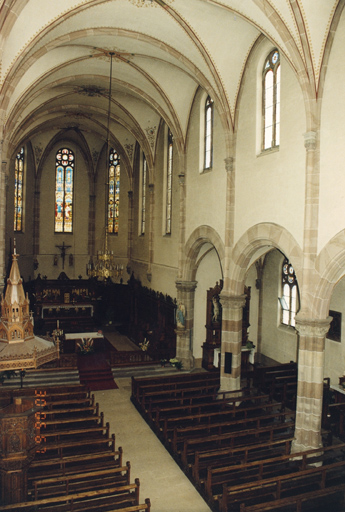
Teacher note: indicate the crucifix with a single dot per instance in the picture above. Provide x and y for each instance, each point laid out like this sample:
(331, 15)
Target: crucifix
(63, 248)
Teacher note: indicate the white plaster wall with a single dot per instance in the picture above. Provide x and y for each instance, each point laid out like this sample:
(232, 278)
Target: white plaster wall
(334, 350)
(332, 148)
(270, 185)
(206, 191)
(166, 246)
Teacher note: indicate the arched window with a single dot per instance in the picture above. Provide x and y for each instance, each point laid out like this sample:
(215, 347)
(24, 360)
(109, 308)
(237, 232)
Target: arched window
(271, 101)
(113, 191)
(18, 190)
(143, 196)
(169, 184)
(289, 300)
(208, 133)
(64, 168)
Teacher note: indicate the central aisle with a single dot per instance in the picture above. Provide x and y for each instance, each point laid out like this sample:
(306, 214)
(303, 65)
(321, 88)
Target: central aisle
(160, 477)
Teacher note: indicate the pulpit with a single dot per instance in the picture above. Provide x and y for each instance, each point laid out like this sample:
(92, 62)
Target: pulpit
(18, 435)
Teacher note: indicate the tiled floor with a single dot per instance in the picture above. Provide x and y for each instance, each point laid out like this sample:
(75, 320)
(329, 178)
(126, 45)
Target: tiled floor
(160, 477)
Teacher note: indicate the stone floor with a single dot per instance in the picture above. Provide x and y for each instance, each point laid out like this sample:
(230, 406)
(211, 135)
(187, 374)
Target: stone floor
(160, 477)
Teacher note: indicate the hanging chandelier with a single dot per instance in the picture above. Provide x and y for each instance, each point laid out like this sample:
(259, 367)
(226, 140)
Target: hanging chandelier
(104, 266)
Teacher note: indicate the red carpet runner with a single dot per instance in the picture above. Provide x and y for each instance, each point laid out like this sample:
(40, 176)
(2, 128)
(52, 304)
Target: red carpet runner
(95, 371)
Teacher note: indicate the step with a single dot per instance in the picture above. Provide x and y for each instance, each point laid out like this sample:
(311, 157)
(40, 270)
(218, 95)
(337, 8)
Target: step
(44, 378)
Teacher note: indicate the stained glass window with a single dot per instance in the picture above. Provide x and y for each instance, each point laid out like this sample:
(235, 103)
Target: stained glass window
(143, 196)
(271, 101)
(64, 168)
(18, 190)
(113, 191)
(289, 300)
(208, 133)
(169, 183)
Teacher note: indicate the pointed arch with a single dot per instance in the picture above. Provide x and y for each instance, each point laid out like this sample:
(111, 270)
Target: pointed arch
(201, 236)
(249, 247)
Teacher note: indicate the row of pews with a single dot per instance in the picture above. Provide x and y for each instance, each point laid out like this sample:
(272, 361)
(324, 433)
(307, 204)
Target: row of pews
(77, 466)
(235, 446)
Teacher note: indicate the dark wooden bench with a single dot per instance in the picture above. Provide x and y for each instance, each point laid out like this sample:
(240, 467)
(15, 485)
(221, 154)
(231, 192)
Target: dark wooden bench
(71, 484)
(144, 383)
(153, 403)
(81, 432)
(178, 393)
(117, 497)
(261, 372)
(232, 440)
(74, 463)
(279, 487)
(313, 498)
(237, 455)
(223, 404)
(264, 468)
(70, 447)
(279, 420)
(224, 421)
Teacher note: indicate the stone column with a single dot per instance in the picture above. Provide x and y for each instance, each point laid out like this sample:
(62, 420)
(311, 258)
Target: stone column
(151, 232)
(184, 330)
(230, 368)
(182, 222)
(3, 183)
(130, 230)
(36, 228)
(311, 354)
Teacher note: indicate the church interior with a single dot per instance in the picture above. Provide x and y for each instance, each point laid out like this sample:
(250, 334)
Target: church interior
(172, 255)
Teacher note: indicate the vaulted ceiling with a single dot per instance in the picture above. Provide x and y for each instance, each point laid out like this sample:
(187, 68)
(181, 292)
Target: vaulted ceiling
(55, 62)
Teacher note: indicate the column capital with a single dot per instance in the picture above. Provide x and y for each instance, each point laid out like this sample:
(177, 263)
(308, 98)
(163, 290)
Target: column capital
(311, 327)
(310, 140)
(229, 163)
(188, 286)
(233, 301)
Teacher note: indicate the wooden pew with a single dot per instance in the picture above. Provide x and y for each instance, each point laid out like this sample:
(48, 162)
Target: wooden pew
(278, 421)
(313, 498)
(117, 497)
(153, 403)
(233, 440)
(294, 485)
(74, 483)
(81, 432)
(179, 392)
(70, 447)
(239, 454)
(223, 404)
(74, 463)
(144, 383)
(238, 419)
(261, 372)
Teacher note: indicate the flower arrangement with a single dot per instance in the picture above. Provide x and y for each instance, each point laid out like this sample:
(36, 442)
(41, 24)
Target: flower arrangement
(144, 345)
(176, 363)
(86, 346)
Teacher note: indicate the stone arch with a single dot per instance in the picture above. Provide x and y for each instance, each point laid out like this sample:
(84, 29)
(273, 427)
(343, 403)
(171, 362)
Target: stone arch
(200, 236)
(253, 241)
(330, 268)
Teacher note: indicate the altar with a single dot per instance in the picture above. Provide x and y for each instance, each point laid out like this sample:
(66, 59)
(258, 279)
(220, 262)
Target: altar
(72, 339)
